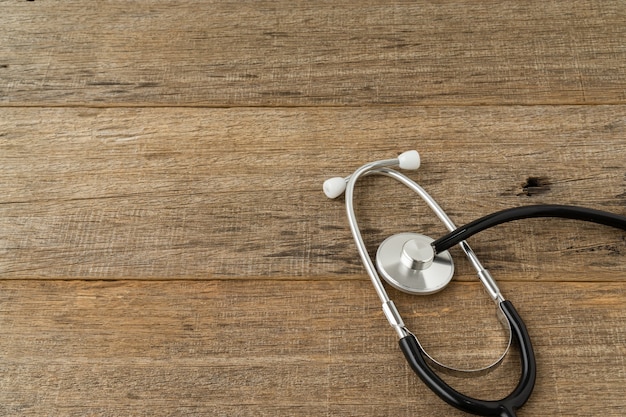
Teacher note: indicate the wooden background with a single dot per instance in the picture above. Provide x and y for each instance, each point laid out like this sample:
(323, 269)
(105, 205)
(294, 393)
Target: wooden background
(165, 247)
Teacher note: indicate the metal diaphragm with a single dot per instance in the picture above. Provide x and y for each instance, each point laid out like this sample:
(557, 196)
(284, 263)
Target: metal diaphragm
(407, 261)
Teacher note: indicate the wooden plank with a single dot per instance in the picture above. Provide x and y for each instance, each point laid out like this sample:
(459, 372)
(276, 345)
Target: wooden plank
(236, 53)
(163, 254)
(236, 193)
(261, 347)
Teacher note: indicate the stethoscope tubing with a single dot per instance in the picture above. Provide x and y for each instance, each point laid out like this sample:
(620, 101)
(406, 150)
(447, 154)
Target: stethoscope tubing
(527, 212)
(504, 407)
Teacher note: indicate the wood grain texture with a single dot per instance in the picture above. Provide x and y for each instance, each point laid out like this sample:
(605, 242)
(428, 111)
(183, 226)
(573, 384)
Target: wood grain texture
(195, 348)
(234, 193)
(165, 247)
(262, 53)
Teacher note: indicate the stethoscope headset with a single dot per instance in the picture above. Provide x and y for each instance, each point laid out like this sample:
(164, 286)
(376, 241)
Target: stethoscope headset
(418, 264)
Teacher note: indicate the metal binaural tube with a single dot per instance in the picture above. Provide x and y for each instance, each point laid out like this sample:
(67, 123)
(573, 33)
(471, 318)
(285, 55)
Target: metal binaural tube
(485, 277)
(382, 168)
(391, 313)
(354, 227)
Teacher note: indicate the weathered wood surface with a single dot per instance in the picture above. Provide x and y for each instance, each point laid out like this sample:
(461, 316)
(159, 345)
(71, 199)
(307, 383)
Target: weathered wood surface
(258, 347)
(310, 53)
(233, 193)
(165, 247)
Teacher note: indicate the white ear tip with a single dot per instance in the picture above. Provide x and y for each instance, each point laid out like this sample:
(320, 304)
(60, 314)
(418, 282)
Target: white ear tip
(334, 187)
(409, 160)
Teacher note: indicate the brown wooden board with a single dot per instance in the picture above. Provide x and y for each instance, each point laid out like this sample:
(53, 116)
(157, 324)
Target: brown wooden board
(234, 193)
(268, 53)
(165, 247)
(260, 347)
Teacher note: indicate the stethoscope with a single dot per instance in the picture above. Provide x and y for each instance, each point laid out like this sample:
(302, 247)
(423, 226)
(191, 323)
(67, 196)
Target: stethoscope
(418, 264)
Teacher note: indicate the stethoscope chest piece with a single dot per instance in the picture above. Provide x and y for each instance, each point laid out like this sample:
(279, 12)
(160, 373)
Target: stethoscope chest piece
(407, 261)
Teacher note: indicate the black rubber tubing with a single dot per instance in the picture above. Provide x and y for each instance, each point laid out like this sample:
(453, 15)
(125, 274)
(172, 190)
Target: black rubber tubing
(505, 407)
(527, 212)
